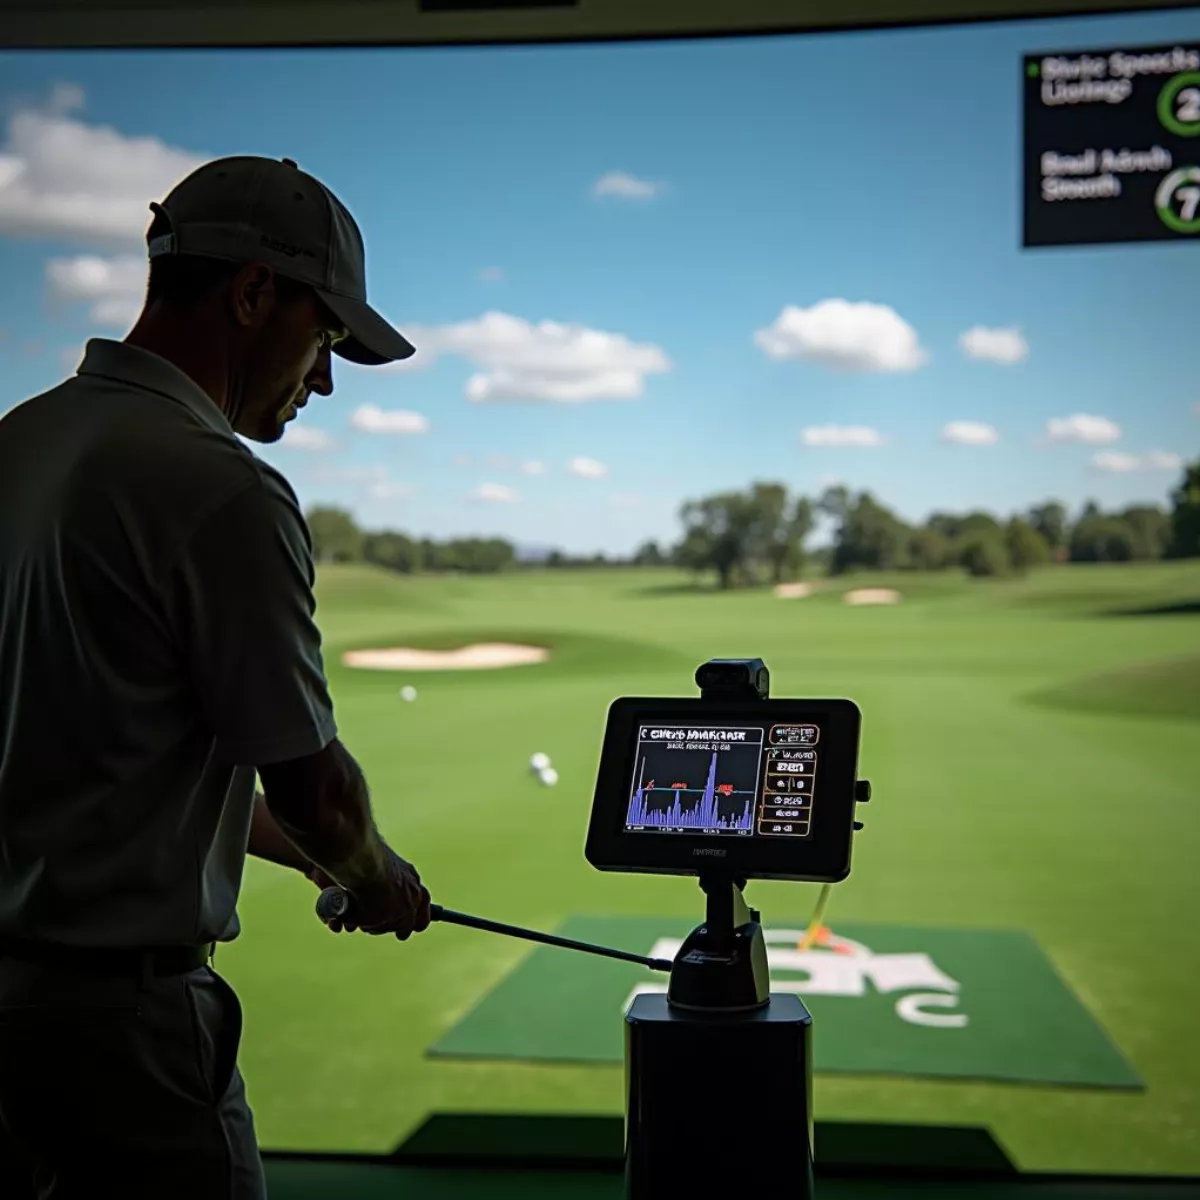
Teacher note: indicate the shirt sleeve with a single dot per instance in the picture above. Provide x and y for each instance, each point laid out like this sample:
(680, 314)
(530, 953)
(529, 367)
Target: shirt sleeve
(242, 604)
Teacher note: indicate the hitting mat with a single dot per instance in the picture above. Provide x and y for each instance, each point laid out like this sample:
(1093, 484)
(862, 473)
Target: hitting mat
(885, 999)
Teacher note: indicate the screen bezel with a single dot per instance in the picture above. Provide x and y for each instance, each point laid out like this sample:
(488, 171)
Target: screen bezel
(821, 857)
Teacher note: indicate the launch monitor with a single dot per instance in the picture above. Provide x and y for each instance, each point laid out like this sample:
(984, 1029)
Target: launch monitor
(757, 788)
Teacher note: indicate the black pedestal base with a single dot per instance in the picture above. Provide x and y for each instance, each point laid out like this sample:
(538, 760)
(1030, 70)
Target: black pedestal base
(718, 1107)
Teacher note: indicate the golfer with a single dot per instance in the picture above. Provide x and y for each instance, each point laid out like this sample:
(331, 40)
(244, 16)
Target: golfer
(158, 651)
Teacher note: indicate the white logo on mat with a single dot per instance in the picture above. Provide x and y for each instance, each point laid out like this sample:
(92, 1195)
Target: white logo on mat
(838, 966)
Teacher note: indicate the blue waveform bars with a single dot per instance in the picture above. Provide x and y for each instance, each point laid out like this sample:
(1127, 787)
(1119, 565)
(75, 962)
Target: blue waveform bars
(705, 814)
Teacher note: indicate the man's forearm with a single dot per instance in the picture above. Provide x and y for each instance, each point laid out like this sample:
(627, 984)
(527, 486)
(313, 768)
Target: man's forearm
(328, 818)
(269, 842)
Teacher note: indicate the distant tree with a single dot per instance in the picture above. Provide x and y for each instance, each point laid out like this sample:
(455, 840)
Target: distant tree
(1150, 528)
(929, 550)
(870, 537)
(477, 556)
(649, 554)
(834, 502)
(799, 525)
(1097, 538)
(433, 556)
(1185, 515)
(335, 536)
(1026, 546)
(961, 529)
(718, 529)
(1050, 520)
(767, 536)
(692, 552)
(985, 555)
(393, 551)
(778, 527)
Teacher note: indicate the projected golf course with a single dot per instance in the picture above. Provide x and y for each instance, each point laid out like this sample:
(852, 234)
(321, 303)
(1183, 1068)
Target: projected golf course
(1026, 881)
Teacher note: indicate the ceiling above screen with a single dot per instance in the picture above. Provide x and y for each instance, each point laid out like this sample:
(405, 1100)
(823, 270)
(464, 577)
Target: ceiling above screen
(103, 23)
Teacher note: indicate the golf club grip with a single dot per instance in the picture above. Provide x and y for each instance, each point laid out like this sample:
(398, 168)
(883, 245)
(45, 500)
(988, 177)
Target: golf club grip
(334, 903)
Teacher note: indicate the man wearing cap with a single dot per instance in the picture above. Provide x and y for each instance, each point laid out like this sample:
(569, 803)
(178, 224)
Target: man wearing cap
(158, 651)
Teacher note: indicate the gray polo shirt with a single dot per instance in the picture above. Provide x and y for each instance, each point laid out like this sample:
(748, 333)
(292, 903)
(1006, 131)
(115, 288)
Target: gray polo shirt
(157, 644)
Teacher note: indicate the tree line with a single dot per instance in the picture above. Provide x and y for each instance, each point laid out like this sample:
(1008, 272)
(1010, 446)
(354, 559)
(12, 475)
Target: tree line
(759, 535)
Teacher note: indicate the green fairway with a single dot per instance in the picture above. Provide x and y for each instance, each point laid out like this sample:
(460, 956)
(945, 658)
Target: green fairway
(1033, 747)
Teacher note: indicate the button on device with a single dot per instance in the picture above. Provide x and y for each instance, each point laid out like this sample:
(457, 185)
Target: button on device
(858, 825)
(289, 162)
(862, 791)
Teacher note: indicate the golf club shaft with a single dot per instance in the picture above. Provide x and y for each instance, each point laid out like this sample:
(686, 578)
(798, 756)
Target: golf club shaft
(334, 903)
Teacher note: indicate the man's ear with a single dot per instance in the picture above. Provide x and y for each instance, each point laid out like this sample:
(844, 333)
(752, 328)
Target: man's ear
(252, 294)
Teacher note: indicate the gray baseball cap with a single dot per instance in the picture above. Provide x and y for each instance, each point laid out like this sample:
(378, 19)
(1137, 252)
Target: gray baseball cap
(250, 209)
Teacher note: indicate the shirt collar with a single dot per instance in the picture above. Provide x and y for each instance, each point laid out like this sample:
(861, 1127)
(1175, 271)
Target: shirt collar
(144, 369)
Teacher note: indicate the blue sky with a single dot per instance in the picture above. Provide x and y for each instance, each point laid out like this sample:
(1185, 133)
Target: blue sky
(878, 169)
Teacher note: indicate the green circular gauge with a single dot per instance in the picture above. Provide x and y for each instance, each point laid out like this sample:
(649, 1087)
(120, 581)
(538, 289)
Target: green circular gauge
(1179, 104)
(1180, 189)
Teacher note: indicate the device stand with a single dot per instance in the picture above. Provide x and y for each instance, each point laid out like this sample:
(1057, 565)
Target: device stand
(719, 1072)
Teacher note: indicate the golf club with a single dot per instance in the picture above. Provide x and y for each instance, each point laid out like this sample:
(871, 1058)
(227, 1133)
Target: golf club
(335, 904)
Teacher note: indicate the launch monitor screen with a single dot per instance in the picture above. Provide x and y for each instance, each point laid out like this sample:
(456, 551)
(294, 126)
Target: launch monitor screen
(737, 780)
(765, 788)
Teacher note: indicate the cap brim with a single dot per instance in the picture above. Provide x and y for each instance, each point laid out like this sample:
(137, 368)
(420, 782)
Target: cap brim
(372, 341)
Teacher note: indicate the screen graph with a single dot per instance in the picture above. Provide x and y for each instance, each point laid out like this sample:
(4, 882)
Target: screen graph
(695, 780)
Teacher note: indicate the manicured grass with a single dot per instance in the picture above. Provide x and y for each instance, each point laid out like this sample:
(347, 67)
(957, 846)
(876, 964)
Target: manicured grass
(991, 808)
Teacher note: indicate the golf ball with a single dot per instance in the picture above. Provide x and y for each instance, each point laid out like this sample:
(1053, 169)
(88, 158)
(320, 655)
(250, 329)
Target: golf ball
(549, 776)
(408, 692)
(539, 762)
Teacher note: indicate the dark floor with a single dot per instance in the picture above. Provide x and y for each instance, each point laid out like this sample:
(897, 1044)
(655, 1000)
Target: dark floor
(310, 1181)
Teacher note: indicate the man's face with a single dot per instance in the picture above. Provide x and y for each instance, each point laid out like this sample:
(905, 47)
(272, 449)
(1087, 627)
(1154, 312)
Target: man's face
(288, 359)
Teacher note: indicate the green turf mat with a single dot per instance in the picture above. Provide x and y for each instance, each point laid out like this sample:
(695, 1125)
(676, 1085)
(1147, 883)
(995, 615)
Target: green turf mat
(959, 1003)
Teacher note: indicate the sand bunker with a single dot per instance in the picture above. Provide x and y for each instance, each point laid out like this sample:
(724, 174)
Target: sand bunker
(482, 656)
(793, 591)
(872, 596)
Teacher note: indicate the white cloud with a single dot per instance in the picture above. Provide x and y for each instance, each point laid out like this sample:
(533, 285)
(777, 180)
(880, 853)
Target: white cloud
(69, 357)
(461, 460)
(533, 467)
(65, 98)
(1003, 346)
(1114, 460)
(970, 433)
(841, 435)
(844, 335)
(63, 178)
(374, 480)
(297, 437)
(328, 474)
(1120, 463)
(494, 493)
(552, 361)
(587, 468)
(491, 274)
(629, 187)
(372, 419)
(498, 462)
(1080, 427)
(385, 490)
(113, 288)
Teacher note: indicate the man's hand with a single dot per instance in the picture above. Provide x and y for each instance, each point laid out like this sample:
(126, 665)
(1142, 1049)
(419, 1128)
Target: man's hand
(398, 903)
(323, 881)
(319, 877)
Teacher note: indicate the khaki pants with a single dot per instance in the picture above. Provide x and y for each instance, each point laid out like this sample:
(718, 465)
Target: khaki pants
(122, 1086)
